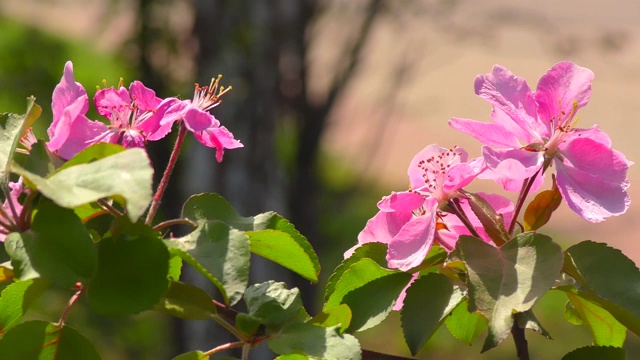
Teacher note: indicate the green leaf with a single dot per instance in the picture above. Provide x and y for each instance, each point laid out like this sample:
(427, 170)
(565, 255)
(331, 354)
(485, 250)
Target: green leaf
(272, 303)
(61, 250)
(608, 278)
(492, 221)
(509, 279)
(465, 326)
(358, 274)
(596, 353)
(20, 260)
(428, 302)
(222, 252)
(527, 320)
(43, 341)
(187, 302)
(372, 302)
(541, 207)
(125, 176)
(315, 341)
(175, 268)
(374, 251)
(281, 248)
(40, 161)
(12, 128)
(336, 315)
(132, 270)
(247, 324)
(194, 355)
(207, 207)
(92, 153)
(604, 328)
(16, 299)
(292, 357)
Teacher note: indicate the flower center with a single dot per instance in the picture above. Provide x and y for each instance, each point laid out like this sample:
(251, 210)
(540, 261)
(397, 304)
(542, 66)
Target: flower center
(561, 125)
(434, 171)
(208, 97)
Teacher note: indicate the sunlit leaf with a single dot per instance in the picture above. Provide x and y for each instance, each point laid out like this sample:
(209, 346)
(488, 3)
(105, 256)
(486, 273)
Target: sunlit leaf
(12, 128)
(541, 207)
(16, 299)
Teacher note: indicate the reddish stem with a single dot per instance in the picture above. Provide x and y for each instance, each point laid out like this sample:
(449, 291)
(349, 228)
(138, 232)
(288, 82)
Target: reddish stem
(157, 197)
(220, 348)
(72, 301)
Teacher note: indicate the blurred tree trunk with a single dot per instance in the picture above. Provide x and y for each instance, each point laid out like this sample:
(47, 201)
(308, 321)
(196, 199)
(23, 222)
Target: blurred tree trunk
(261, 47)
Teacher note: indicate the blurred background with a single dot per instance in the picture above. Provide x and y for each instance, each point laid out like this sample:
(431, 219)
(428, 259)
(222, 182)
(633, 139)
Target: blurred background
(331, 99)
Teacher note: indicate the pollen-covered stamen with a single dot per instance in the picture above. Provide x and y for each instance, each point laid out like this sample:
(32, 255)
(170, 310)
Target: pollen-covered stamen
(208, 97)
(561, 125)
(434, 169)
(27, 140)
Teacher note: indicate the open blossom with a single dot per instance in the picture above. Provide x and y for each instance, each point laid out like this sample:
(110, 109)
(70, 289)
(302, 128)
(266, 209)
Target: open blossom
(407, 221)
(534, 130)
(134, 116)
(197, 119)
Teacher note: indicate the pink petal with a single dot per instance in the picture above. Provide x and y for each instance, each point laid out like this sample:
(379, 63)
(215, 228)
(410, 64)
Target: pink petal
(383, 227)
(564, 84)
(404, 201)
(416, 172)
(219, 138)
(515, 164)
(511, 95)
(66, 93)
(461, 175)
(487, 133)
(592, 178)
(412, 243)
(60, 129)
(153, 126)
(197, 120)
(85, 133)
(594, 134)
(144, 98)
(109, 101)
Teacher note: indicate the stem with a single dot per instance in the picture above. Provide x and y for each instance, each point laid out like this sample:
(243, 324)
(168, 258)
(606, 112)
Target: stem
(526, 187)
(522, 347)
(157, 197)
(245, 351)
(230, 328)
(72, 301)
(105, 204)
(168, 223)
(457, 210)
(228, 346)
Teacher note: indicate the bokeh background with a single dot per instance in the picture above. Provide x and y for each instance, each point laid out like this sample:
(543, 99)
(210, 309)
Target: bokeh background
(332, 99)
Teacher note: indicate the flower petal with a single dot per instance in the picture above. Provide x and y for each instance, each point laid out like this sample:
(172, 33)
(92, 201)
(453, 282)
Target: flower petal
(404, 201)
(85, 133)
(412, 243)
(511, 95)
(558, 89)
(66, 93)
(219, 138)
(592, 178)
(487, 133)
(516, 164)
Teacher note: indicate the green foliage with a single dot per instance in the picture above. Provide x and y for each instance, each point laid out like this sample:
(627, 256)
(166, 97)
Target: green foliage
(428, 302)
(45, 341)
(219, 251)
(285, 246)
(607, 278)
(186, 301)
(604, 328)
(125, 176)
(132, 270)
(12, 127)
(595, 353)
(336, 315)
(16, 299)
(508, 279)
(463, 325)
(315, 341)
(272, 303)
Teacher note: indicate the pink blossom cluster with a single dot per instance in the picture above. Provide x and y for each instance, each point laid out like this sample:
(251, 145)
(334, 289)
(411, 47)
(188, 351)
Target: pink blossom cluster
(131, 117)
(531, 132)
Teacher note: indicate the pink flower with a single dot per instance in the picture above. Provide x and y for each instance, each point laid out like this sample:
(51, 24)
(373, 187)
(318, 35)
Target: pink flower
(10, 215)
(407, 220)
(70, 104)
(533, 130)
(134, 116)
(197, 119)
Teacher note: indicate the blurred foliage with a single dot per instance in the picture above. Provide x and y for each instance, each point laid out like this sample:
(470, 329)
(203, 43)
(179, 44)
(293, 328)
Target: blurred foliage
(31, 63)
